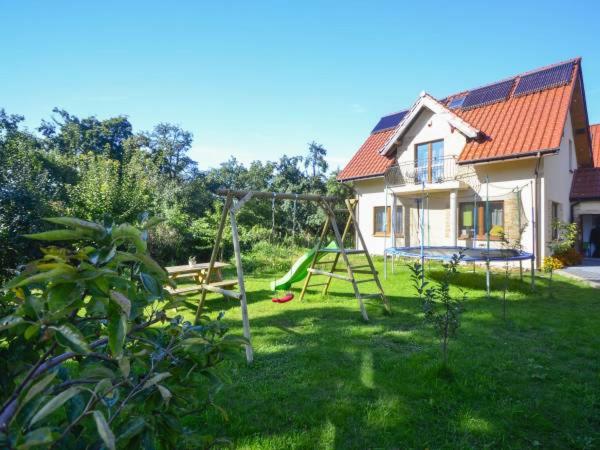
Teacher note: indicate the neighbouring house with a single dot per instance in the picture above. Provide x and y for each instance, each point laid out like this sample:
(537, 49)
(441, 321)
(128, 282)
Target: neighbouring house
(495, 160)
(585, 195)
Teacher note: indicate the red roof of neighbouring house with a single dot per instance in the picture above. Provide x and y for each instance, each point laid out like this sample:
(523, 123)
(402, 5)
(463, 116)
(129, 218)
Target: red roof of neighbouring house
(595, 132)
(586, 181)
(520, 124)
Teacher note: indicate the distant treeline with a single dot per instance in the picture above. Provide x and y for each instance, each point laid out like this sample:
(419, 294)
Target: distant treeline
(102, 170)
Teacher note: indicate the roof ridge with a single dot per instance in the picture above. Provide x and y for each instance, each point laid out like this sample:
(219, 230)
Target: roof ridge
(502, 80)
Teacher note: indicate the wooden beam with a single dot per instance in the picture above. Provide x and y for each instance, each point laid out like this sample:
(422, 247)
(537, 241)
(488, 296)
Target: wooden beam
(278, 195)
(213, 256)
(242, 286)
(218, 290)
(329, 274)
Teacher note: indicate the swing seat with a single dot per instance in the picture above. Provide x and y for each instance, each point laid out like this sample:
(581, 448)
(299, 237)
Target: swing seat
(286, 298)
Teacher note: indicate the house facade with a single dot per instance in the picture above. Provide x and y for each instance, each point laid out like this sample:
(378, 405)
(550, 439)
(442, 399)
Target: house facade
(494, 161)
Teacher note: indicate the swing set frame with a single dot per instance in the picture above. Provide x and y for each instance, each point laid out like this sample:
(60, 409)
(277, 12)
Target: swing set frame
(236, 199)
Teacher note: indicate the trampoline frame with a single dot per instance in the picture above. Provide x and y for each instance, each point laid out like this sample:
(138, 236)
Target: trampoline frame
(421, 253)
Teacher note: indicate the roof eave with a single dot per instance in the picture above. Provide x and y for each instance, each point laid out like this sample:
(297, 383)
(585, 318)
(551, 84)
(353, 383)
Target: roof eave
(532, 154)
(363, 177)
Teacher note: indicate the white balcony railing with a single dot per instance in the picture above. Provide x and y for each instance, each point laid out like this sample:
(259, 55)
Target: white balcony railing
(435, 171)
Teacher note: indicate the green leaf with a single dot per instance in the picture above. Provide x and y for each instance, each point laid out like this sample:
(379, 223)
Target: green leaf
(72, 338)
(59, 274)
(57, 235)
(40, 436)
(157, 378)
(55, 403)
(63, 295)
(117, 330)
(125, 366)
(123, 302)
(73, 222)
(165, 393)
(104, 430)
(9, 322)
(130, 233)
(39, 387)
(150, 284)
(132, 428)
(103, 385)
(31, 331)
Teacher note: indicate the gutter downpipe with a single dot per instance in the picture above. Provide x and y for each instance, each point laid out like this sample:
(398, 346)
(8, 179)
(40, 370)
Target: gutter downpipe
(536, 262)
(385, 228)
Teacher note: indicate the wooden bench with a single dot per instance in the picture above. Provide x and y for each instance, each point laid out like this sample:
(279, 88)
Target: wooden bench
(198, 288)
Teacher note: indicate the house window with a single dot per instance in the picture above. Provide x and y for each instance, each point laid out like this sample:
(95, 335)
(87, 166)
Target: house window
(380, 220)
(382, 225)
(399, 222)
(429, 162)
(472, 220)
(570, 155)
(555, 218)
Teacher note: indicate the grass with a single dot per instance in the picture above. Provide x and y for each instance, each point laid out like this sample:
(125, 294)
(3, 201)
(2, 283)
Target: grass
(322, 378)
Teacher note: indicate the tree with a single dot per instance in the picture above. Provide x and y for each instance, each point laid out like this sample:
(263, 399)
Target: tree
(28, 191)
(315, 161)
(169, 146)
(93, 351)
(441, 309)
(71, 135)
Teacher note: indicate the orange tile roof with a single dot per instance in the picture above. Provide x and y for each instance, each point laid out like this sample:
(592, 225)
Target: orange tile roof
(586, 181)
(518, 126)
(368, 162)
(512, 128)
(595, 132)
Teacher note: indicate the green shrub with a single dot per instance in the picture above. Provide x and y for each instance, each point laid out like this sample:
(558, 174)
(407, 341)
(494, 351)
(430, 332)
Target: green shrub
(92, 352)
(272, 258)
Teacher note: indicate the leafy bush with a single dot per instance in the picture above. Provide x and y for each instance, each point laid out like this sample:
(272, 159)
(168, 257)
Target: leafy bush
(92, 352)
(267, 257)
(552, 263)
(569, 257)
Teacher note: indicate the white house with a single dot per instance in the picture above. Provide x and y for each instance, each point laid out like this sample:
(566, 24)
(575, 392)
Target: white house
(491, 160)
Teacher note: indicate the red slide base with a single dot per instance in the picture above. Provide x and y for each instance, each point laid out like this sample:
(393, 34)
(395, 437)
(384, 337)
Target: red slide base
(286, 298)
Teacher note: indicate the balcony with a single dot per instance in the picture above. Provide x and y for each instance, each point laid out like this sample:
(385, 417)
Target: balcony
(434, 171)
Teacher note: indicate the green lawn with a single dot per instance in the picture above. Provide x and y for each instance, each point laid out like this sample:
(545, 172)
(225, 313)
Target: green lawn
(322, 378)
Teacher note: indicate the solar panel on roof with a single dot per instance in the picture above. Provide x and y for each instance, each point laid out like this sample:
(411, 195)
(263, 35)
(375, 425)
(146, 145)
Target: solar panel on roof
(390, 121)
(545, 79)
(488, 94)
(457, 102)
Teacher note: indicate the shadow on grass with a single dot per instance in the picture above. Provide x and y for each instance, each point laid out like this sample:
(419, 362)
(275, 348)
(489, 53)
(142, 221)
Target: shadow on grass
(323, 378)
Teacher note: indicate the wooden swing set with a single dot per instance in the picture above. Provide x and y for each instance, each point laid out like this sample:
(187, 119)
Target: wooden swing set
(235, 200)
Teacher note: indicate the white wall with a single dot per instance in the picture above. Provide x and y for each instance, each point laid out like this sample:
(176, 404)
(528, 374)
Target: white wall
(370, 194)
(557, 185)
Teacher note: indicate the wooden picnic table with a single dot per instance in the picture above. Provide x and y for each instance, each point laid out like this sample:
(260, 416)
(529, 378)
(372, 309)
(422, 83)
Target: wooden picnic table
(199, 272)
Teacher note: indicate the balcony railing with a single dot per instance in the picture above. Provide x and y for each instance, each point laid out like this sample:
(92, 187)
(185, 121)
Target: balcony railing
(436, 171)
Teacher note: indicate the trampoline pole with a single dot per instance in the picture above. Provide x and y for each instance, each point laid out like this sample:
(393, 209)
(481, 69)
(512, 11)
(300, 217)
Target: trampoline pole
(423, 233)
(385, 264)
(488, 228)
(532, 274)
(487, 276)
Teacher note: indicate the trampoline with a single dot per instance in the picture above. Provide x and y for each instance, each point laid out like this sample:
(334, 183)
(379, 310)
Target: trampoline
(442, 253)
(469, 254)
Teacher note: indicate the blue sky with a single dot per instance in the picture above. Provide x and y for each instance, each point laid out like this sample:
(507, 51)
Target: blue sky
(259, 79)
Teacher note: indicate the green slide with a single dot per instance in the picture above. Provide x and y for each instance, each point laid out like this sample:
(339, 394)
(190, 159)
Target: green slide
(299, 270)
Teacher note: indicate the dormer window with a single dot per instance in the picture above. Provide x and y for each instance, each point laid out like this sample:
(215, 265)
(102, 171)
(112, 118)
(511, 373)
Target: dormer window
(429, 162)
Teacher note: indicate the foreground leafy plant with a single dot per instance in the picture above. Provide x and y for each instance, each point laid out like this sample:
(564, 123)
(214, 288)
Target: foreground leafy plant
(92, 351)
(441, 309)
